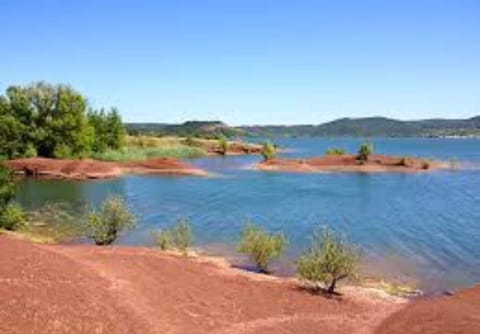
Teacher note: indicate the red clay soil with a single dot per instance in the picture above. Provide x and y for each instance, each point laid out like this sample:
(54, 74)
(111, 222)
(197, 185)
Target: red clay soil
(94, 169)
(89, 289)
(349, 163)
(235, 148)
(459, 314)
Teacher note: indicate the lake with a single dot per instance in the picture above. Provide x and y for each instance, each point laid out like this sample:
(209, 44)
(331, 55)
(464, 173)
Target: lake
(418, 228)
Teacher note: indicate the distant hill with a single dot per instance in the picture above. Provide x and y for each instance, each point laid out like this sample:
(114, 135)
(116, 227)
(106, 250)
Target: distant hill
(204, 129)
(344, 127)
(375, 127)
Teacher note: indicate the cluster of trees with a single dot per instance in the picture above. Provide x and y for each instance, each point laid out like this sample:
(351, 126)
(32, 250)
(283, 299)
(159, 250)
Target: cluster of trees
(55, 121)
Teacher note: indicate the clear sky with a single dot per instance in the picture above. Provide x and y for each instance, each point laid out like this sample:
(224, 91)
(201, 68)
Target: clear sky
(251, 62)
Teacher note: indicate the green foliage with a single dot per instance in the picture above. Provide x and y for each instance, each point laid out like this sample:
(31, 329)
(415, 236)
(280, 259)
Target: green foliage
(7, 186)
(133, 153)
(176, 237)
(335, 151)
(364, 151)
(12, 217)
(113, 217)
(52, 121)
(261, 246)
(223, 145)
(328, 260)
(108, 128)
(269, 151)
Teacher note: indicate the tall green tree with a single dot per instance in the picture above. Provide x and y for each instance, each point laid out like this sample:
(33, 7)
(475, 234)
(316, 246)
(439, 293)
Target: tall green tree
(52, 120)
(109, 131)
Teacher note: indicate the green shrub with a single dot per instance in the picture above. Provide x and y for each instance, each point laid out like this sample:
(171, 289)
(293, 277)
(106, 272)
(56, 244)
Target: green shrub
(336, 151)
(176, 237)
(269, 151)
(7, 186)
(260, 246)
(329, 260)
(223, 145)
(364, 151)
(13, 217)
(113, 217)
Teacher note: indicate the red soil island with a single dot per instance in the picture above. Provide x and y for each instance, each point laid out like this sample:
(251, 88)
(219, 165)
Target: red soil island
(89, 289)
(375, 163)
(234, 148)
(94, 169)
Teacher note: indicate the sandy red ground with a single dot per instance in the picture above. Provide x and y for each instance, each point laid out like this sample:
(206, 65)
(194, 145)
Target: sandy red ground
(349, 163)
(93, 169)
(88, 289)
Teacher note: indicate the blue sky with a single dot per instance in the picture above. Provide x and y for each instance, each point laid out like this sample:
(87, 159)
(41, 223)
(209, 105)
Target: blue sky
(251, 62)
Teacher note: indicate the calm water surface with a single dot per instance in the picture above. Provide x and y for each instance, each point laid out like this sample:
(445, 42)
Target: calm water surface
(419, 228)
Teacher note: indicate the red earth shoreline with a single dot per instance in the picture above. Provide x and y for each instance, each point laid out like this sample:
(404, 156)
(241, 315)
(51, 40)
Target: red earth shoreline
(87, 289)
(375, 163)
(95, 169)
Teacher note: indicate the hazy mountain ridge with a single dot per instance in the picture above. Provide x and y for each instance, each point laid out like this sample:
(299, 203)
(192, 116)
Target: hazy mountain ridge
(375, 126)
(343, 127)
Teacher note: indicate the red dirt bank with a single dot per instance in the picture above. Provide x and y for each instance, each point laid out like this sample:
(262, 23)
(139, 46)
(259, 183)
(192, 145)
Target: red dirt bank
(349, 163)
(88, 289)
(94, 169)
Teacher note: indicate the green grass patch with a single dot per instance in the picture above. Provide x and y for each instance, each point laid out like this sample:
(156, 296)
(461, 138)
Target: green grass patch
(134, 153)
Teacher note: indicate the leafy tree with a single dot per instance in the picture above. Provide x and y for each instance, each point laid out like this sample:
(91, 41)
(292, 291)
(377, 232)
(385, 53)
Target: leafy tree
(364, 151)
(269, 151)
(329, 260)
(109, 131)
(261, 246)
(113, 217)
(52, 121)
(223, 144)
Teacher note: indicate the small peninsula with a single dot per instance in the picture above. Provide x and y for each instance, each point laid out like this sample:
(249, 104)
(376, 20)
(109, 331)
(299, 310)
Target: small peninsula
(375, 163)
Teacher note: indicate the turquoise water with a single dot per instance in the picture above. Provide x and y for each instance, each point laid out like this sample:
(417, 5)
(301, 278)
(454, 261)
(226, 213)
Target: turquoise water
(420, 228)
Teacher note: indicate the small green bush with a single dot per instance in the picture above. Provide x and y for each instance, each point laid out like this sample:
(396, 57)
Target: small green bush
(329, 260)
(223, 145)
(13, 217)
(113, 217)
(260, 246)
(176, 237)
(336, 151)
(364, 151)
(269, 151)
